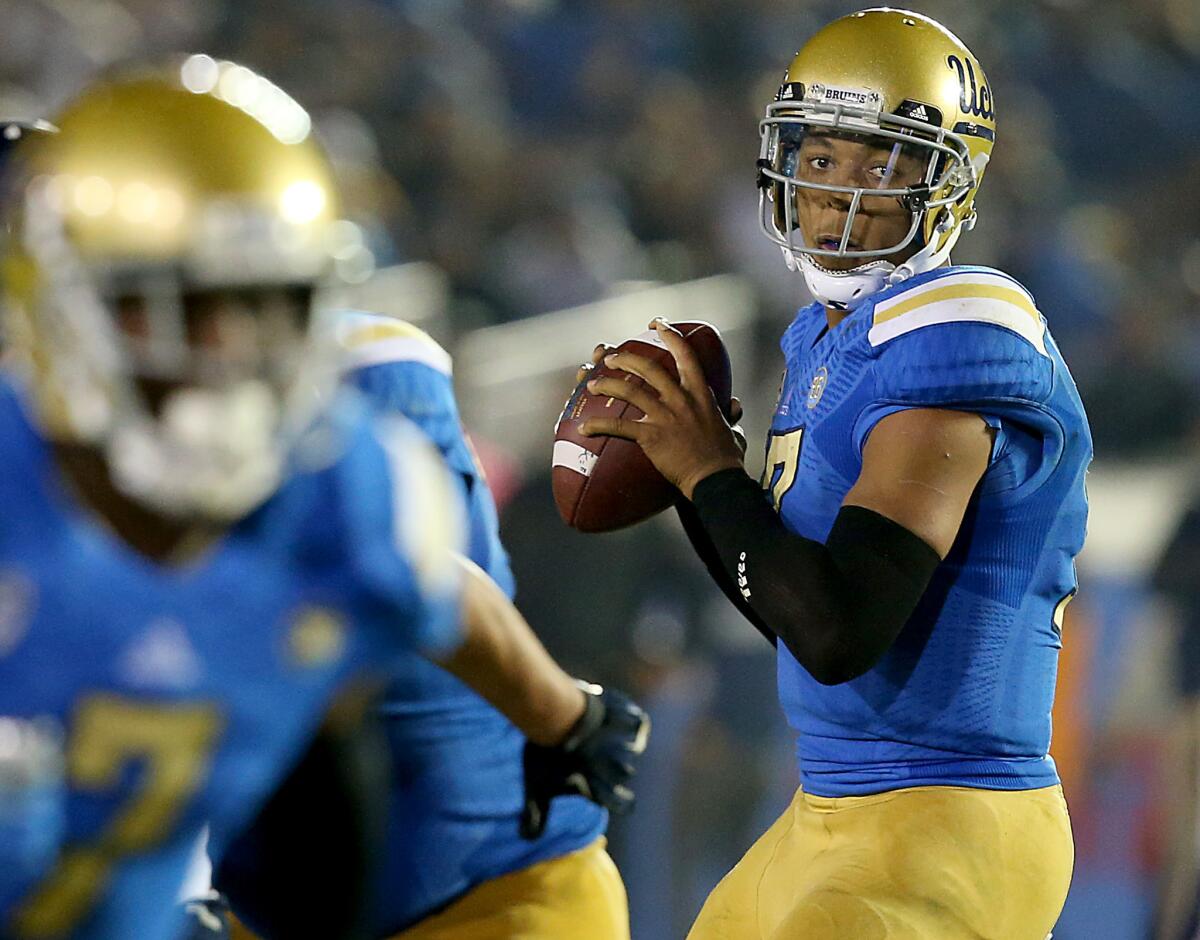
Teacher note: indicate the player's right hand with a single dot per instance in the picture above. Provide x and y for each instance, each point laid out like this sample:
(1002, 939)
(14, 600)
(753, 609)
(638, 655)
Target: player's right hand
(598, 354)
(735, 408)
(596, 760)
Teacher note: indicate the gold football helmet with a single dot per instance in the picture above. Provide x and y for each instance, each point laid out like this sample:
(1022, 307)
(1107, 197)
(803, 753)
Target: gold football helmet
(165, 250)
(908, 89)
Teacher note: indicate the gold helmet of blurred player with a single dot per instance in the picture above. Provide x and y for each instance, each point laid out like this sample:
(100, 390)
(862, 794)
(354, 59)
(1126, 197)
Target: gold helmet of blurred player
(906, 89)
(166, 248)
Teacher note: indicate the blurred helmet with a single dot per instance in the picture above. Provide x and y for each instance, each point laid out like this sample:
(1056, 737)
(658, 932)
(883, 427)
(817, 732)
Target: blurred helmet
(13, 130)
(907, 88)
(165, 250)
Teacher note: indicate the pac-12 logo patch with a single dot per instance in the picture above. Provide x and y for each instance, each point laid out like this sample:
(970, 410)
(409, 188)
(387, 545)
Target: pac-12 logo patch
(817, 389)
(317, 636)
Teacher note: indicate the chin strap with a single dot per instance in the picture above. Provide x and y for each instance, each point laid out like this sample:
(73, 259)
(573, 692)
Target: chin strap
(843, 289)
(927, 259)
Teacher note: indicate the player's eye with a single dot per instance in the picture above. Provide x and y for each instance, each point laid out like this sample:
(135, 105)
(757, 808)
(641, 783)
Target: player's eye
(820, 163)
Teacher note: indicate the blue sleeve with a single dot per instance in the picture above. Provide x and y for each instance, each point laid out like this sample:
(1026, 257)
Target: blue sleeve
(405, 520)
(425, 396)
(977, 367)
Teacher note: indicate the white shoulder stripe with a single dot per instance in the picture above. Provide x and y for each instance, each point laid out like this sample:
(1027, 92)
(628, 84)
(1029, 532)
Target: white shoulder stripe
(368, 339)
(969, 297)
(398, 349)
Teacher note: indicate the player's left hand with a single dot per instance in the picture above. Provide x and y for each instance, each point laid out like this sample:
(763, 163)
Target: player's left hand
(683, 432)
(596, 760)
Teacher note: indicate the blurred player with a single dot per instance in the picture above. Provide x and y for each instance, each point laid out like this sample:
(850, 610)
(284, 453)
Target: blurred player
(455, 863)
(32, 791)
(924, 502)
(203, 543)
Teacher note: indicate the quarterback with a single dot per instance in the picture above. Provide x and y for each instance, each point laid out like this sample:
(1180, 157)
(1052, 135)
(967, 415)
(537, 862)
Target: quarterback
(205, 543)
(909, 548)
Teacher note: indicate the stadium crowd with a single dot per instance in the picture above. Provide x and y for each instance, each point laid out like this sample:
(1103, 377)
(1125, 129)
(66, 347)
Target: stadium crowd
(543, 153)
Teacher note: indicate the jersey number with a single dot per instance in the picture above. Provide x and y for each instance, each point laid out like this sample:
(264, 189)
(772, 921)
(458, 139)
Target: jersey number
(783, 460)
(171, 745)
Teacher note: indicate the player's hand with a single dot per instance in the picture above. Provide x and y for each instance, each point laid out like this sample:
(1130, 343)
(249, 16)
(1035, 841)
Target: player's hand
(598, 354)
(735, 419)
(683, 432)
(596, 760)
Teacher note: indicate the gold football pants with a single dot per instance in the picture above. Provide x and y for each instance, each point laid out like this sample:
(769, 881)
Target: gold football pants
(578, 896)
(951, 863)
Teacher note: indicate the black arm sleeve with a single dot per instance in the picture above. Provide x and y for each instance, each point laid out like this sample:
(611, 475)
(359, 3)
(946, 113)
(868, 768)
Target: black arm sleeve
(837, 607)
(707, 553)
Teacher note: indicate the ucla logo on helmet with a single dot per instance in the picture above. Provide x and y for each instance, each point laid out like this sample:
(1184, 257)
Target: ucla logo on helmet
(975, 98)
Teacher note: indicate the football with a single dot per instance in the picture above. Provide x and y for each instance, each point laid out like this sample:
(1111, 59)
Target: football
(606, 483)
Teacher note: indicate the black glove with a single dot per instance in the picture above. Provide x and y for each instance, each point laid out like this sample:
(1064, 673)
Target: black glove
(595, 760)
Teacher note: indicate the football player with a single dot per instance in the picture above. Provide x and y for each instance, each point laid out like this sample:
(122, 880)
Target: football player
(32, 794)
(204, 545)
(910, 548)
(470, 851)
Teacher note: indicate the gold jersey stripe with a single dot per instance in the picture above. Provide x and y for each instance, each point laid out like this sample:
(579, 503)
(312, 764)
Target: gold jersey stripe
(369, 339)
(1009, 295)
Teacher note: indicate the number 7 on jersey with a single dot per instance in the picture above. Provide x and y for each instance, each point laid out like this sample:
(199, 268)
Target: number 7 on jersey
(783, 460)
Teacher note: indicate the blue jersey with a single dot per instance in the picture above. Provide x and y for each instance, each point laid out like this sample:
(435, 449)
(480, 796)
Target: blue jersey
(186, 693)
(458, 784)
(963, 696)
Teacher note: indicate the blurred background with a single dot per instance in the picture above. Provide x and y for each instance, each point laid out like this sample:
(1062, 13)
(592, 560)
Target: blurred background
(536, 176)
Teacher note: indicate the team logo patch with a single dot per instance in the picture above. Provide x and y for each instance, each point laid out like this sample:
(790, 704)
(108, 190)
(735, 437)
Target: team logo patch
(317, 637)
(817, 389)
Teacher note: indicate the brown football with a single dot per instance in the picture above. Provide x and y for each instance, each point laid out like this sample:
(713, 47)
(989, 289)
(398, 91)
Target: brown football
(606, 483)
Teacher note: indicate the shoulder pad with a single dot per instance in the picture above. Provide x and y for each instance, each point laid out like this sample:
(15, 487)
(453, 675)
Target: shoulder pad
(369, 339)
(402, 371)
(973, 295)
(970, 335)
